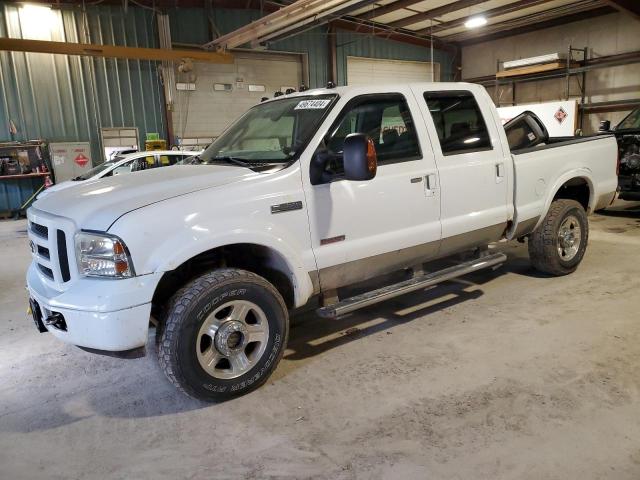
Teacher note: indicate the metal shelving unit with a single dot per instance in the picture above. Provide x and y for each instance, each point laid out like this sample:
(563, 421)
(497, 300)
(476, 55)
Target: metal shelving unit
(575, 66)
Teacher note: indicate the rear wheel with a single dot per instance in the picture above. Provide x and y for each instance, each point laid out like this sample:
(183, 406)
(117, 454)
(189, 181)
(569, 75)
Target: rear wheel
(557, 246)
(224, 334)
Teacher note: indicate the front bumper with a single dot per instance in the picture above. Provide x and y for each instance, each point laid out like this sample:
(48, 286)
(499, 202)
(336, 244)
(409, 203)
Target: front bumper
(111, 315)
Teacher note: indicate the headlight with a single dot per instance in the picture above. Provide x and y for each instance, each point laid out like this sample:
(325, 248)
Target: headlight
(102, 255)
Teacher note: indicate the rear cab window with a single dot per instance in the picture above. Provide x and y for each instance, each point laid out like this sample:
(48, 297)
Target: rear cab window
(458, 121)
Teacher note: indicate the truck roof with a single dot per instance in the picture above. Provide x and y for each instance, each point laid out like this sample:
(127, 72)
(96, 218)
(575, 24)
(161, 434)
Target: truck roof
(433, 86)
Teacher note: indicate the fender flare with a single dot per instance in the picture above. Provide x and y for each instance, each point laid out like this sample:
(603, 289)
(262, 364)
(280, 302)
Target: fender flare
(582, 173)
(300, 278)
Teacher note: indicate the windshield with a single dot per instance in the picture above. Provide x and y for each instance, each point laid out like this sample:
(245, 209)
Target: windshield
(95, 170)
(272, 132)
(632, 121)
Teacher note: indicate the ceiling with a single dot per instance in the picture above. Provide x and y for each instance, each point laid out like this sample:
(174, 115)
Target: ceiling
(419, 21)
(445, 19)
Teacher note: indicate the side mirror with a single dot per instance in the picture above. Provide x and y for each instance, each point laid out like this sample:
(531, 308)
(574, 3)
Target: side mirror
(605, 126)
(359, 157)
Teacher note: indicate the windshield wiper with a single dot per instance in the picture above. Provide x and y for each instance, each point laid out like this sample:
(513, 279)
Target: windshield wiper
(234, 160)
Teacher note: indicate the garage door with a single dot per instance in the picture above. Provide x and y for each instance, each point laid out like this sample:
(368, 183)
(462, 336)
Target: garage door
(368, 71)
(224, 92)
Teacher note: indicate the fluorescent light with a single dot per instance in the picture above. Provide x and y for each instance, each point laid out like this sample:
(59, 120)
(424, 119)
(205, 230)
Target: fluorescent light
(37, 21)
(475, 22)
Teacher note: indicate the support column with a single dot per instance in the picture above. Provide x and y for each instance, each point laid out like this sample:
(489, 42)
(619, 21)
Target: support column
(332, 59)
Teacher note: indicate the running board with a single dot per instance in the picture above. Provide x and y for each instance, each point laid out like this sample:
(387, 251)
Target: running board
(381, 294)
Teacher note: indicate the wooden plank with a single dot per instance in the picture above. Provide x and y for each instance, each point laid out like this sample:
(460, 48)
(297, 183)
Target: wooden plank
(24, 175)
(111, 51)
(545, 67)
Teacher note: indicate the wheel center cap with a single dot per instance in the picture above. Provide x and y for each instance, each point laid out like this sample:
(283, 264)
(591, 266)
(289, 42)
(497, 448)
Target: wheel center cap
(230, 337)
(567, 239)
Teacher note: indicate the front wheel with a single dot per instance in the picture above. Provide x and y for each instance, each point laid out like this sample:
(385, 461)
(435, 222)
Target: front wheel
(224, 334)
(557, 246)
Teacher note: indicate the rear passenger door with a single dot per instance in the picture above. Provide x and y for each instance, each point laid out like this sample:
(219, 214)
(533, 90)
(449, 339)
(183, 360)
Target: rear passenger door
(472, 169)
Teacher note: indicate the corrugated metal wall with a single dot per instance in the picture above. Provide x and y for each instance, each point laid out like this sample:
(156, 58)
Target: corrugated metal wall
(66, 98)
(69, 98)
(358, 45)
(191, 26)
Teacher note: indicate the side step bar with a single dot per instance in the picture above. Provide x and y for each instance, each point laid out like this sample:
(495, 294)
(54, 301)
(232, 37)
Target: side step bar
(385, 293)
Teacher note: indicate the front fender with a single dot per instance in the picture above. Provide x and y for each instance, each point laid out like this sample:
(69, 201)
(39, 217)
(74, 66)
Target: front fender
(162, 236)
(181, 248)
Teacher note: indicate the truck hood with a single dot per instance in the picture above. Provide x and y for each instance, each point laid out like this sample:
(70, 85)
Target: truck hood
(96, 204)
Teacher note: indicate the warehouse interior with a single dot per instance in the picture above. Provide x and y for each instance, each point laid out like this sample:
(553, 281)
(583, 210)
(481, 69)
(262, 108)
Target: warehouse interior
(503, 373)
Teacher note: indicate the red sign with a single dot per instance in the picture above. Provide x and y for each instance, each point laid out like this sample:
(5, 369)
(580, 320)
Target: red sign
(81, 160)
(560, 115)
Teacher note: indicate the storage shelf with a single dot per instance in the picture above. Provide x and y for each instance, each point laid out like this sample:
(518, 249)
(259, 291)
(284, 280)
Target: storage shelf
(555, 67)
(23, 175)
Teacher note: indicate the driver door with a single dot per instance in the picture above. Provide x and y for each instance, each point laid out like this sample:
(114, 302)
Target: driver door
(362, 229)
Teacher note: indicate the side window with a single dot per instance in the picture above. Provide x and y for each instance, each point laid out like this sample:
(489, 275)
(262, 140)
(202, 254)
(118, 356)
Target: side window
(126, 167)
(459, 122)
(151, 162)
(386, 120)
(143, 163)
(167, 160)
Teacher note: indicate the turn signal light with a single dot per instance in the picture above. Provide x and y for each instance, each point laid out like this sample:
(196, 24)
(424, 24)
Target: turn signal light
(372, 157)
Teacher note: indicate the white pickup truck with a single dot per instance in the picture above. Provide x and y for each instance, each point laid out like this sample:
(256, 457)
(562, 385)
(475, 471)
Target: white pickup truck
(303, 196)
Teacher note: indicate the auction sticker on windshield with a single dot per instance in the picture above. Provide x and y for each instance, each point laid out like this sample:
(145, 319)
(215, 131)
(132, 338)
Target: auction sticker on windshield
(312, 104)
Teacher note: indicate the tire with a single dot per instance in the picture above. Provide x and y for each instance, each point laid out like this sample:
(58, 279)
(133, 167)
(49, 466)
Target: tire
(551, 252)
(211, 323)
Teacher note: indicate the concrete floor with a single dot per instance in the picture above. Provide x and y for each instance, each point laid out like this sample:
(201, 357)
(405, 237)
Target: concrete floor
(504, 375)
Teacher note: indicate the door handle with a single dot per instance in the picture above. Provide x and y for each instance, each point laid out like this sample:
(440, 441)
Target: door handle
(499, 172)
(416, 180)
(431, 185)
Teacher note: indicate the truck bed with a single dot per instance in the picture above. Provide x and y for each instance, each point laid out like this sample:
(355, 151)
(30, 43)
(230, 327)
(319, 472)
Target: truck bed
(545, 168)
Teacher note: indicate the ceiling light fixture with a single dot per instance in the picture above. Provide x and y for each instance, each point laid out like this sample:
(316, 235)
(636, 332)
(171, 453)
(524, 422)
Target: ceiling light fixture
(37, 21)
(475, 22)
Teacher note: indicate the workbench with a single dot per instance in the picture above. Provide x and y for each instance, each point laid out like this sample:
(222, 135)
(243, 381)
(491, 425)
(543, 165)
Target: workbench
(15, 190)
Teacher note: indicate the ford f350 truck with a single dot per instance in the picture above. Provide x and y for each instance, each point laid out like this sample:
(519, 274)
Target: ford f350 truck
(303, 196)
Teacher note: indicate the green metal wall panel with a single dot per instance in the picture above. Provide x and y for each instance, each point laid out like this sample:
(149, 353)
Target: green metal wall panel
(314, 44)
(193, 26)
(69, 98)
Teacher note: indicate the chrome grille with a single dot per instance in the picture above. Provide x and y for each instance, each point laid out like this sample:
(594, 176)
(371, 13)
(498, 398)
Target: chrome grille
(46, 270)
(39, 230)
(44, 252)
(63, 259)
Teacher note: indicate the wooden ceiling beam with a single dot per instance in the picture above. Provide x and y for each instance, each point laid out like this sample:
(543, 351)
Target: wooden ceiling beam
(532, 27)
(494, 12)
(390, 8)
(435, 12)
(111, 51)
(380, 31)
